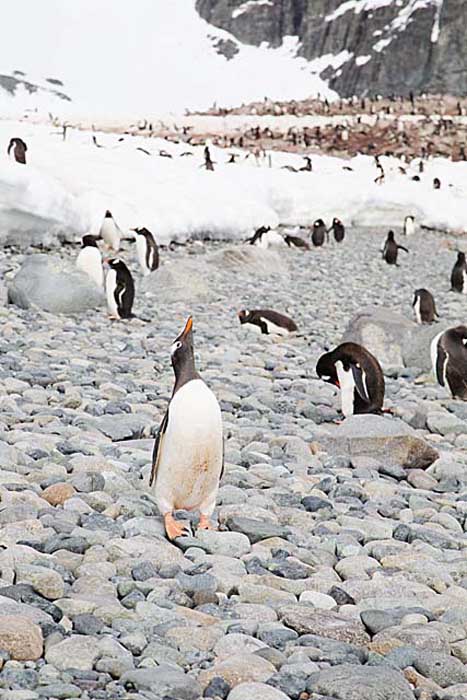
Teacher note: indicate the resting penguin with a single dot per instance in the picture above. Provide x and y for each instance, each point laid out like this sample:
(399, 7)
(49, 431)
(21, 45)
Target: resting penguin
(119, 289)
(338, 229)
(449, 360)
(89, 260)
(268, 321)
(409, 225)
(319, 232)
(19, 150)
(459, 275)
(424, 306)
(357, 374)
(187, 461)
(296, 242)
(110, 232)
(148, 252)
(391, 249)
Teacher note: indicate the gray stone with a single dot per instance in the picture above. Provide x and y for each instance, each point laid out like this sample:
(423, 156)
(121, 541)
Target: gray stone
(163, 681)
(326, 623)
(442, 669)
(255, 530)
(360, 683)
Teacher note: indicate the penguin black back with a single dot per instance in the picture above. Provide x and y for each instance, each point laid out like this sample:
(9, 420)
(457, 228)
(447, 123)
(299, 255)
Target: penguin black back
(258, 234)
(151, 250)
(268, 321)
(449, 359)
(123, 291)
(318, 234)
(88, 241)
(391, 249)
(459, 274)
(338, 230)
(296, 242)
(19, 150)
(424, 306)
(359, 376)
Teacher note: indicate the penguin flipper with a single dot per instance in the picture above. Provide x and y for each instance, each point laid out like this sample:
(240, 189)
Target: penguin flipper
(441, 359)
(156, 453)
(360, 383)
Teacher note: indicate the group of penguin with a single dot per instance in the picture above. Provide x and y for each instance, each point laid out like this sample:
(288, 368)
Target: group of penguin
(117, 280)
(264, 237)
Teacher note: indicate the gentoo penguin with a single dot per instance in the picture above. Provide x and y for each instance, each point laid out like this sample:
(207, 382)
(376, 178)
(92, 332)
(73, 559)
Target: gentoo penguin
(119, 289)
(265, 238)
(257, 235)
(110, 232)
(449, 360)
(357, 374)
(296, 242)
(319, 232)
(148, 252)
(19, 150)
(89, 260)
(409, 225)
(187, 461)
(268, 321)
(459, 275)
(391, 249)
(424, 306)
(338, 229)
(436, 183)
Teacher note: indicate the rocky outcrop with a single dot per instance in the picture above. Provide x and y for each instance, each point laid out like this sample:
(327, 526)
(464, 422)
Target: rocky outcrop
(370, 47)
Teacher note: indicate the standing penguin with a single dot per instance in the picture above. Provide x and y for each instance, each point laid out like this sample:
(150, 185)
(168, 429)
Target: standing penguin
(436, 183)
(89, 260)
(268, 321)
(459, 275)
(148, 252)
(391, 249)
(319, 232)
(449, 360)
(19, 150)
(338, 230)
(119, 289)
(110, 232)
(187, 461)
(358, 375)
(409, 225)
(424, 306)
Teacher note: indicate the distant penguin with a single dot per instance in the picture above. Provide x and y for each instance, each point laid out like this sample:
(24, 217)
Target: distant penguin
(449, 360)
(119, 289)
(187, 461)
(265, 238)
(424, 306)
(147, 250)
(436, 183)
(89, 260)
(269, 322)
(338, 230)
(253, 240)
(318, 234)
(391, 249)
(296, 242)
(358, 375)
(110, 232)
(459, 275)
(409, 225)
(19, 150)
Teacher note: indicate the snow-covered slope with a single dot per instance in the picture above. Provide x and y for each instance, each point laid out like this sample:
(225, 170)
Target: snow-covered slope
(136, 58)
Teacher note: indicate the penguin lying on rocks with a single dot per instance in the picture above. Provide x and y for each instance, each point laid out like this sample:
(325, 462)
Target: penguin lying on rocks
(269, 322)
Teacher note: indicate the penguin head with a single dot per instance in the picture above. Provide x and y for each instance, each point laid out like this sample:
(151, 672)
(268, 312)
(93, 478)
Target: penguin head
(244, 316)
(326, 369)
(108, 214)
(88, 241)
(141, 231)
(391, 236)
(318, 222)
(182, 352)
(336, 221)
(115, 264)
(460, 257)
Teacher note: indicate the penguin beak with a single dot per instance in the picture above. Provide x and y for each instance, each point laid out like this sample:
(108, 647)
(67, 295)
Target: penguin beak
(187, 329)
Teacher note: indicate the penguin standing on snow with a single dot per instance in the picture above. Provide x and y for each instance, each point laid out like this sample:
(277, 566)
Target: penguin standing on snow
(338, 230)
(268, 321)
(449, 360)
(148, 252)
(110, 232)
(187, 460)
(391, 249)
(409, 225)
(318, 234)
(358, 375)
(459, 275)
(119, 289)
(19, 150)
(89, 260)
(424, 306)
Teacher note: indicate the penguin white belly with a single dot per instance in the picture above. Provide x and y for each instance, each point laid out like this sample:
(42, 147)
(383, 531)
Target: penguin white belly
(434, 351)
(110, 234)
(409, 227)
(464, 279)
(416, 308)
(273, 329)
(347, 386)
(141, 252)
(190, 461)
(110, 284)
(89, 260)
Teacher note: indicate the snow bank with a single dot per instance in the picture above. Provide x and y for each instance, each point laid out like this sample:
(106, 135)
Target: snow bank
(72, 183)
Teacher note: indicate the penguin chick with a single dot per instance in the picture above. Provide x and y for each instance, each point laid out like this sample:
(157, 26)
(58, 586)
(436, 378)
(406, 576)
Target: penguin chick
(358, 375)
(119, 289)
(449, 360)
(391, 249)
(268, 321)
(147, 250)
(110, 232)
(89, 260)
(424, 306)
(187, 460)
(459, 274)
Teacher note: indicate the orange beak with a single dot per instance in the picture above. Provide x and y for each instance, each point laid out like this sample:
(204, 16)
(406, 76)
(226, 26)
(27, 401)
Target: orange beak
(188, 327)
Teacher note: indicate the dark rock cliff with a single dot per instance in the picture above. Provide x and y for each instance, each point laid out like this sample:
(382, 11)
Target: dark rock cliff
(393, 46)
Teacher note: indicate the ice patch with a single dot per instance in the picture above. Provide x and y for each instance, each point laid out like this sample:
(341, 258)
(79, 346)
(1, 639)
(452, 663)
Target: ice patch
(361, 60)
(250, 5)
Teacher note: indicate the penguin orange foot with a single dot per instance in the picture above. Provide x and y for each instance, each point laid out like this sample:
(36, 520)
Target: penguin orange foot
(174, 528)
(205, 523)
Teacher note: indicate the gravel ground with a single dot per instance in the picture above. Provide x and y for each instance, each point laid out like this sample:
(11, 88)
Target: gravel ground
(329, 577)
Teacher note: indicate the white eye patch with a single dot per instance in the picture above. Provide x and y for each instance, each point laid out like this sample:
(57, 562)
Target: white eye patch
(176, 346)
(325, 377)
